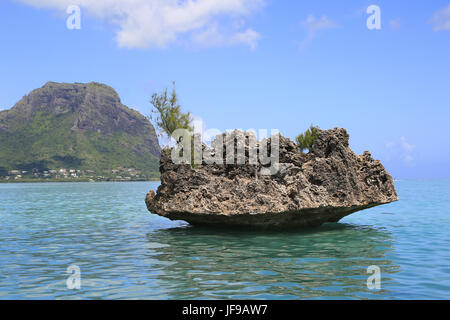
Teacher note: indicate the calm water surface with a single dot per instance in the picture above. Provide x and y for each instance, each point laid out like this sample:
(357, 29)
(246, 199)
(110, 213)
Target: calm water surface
(126, 253)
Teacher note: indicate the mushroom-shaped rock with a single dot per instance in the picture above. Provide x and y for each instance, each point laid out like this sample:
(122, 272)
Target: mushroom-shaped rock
(305, 190)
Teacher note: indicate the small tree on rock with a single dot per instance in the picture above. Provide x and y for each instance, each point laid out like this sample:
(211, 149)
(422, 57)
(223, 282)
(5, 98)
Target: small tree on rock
(167, 115)
(305, 141)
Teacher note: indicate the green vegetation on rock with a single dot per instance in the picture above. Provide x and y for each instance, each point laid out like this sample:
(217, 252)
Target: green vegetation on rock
(305, 141)
(167, 113)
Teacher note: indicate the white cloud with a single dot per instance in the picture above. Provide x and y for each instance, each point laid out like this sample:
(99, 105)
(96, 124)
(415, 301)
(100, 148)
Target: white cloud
(401, 149)
(441, 19)
(313, 26)
(211, 37)
(407, 150)
(395, 24)
(198, 124)
(159, 23)
(405, 145)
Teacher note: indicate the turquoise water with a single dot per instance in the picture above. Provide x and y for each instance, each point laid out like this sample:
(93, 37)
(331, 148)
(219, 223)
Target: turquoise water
(124, 252)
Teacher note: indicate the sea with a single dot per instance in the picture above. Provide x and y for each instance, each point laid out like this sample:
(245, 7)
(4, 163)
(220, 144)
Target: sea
(98, 241)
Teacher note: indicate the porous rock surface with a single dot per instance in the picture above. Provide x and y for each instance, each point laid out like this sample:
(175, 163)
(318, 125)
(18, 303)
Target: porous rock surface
(324, 185)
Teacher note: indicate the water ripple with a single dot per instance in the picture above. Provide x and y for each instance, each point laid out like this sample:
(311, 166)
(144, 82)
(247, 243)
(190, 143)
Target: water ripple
(126, 253)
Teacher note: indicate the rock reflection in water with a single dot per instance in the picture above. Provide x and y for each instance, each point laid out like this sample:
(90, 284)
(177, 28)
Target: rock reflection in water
(327, 262)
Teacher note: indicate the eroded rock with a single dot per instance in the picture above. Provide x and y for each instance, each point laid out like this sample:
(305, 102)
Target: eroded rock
(322, 186)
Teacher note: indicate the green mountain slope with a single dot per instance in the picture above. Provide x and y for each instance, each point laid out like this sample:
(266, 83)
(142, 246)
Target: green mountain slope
(79, 126)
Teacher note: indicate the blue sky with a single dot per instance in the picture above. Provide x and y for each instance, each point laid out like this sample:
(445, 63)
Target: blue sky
(255, 64)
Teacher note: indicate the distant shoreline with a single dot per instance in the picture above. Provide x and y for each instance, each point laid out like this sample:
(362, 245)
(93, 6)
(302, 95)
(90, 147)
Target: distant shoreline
(78, 180)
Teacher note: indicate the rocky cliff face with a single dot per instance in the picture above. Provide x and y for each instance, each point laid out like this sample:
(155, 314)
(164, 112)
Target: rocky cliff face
(324, 185)
(77, 125)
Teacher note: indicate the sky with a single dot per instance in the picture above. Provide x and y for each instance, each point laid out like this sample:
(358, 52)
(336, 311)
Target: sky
(261, 64)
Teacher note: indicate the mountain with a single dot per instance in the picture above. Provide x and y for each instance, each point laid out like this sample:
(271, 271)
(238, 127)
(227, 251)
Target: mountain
(78, 126)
